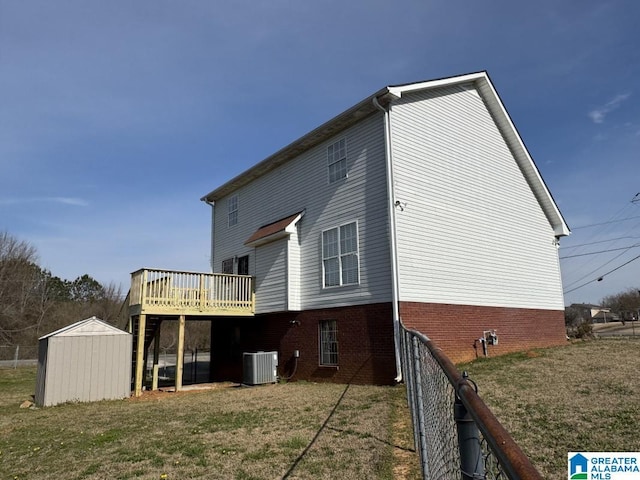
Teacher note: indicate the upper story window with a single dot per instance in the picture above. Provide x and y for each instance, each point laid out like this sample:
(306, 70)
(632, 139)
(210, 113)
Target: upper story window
(337, 160)
(340, 263)
(232, 211)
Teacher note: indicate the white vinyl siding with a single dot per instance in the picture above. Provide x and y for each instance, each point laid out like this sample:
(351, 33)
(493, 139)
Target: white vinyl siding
(470, 231)
(271, 277)
(293, 187)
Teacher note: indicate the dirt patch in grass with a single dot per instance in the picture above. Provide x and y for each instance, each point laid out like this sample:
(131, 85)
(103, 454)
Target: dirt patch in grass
(583, 397)
(295, 430)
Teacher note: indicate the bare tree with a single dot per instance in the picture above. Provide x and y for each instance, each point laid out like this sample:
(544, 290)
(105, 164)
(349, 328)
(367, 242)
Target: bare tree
(34, 302)
(23, 297)
(626, 304)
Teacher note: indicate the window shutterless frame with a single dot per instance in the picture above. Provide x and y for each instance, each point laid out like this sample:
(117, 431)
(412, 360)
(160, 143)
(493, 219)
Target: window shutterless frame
(328, 342)
(340, 256)
(232, 211)
(337, 160)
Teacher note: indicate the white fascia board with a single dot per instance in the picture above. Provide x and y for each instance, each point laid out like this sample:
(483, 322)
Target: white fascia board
(430, 84)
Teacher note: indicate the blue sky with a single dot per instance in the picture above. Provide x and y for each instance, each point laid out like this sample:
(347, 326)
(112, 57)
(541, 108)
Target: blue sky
(116, 117)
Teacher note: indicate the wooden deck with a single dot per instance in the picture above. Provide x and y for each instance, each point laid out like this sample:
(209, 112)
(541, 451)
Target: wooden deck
(170, 292)
(156, 294)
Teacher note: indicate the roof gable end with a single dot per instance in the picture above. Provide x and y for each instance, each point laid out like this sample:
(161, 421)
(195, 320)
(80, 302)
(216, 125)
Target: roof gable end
(385, 97)
(85, 328)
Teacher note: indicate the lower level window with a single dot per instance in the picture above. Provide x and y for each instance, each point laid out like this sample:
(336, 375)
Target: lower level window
(243, 265)
(227, 266)
(328, 342)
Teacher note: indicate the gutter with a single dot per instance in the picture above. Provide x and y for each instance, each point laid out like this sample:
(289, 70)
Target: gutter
(391, 208)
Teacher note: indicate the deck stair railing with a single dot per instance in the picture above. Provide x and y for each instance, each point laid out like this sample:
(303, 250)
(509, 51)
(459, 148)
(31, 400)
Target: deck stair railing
(456, 435)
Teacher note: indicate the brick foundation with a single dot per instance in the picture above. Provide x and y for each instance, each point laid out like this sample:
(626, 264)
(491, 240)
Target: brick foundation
(365, 344)
(365, 338)
(454, 328)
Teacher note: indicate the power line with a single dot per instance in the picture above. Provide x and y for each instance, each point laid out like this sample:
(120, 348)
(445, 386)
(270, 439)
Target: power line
(601, 251)
(601, 277)
(568, 247)
(605, 223)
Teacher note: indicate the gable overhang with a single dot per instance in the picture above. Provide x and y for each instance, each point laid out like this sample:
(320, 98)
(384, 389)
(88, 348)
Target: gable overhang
(385, 98)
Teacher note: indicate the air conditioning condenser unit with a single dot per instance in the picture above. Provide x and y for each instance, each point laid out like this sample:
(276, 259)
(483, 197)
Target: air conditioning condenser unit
(259, 368)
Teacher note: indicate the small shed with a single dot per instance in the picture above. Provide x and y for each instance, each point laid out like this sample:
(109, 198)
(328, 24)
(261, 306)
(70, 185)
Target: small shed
(87, 361)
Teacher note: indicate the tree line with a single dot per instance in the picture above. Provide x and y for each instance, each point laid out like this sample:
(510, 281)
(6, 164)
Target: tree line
(34, 302)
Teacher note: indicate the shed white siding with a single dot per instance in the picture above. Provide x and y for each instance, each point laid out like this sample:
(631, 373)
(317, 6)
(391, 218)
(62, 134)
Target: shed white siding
(302, 184)
(471, 231)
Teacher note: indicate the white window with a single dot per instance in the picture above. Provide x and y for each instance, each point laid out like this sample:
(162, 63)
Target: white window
(337, 160)
(340, 255)
(232, 211)
(328, 342)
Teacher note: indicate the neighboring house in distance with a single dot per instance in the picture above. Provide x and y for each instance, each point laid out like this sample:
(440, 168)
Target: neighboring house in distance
(594, 313)
(421, 204)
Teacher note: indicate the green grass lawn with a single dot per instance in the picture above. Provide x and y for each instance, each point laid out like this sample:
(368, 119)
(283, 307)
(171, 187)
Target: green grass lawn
(583, 397)
(294, 430)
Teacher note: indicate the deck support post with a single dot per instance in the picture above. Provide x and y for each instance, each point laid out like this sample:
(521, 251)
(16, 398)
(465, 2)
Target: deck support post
(156, 358)
(180, 353)
(142, 320)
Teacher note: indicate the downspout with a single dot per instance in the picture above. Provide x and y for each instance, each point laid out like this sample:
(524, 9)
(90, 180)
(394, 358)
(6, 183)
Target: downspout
(392, 237)
(213, 222)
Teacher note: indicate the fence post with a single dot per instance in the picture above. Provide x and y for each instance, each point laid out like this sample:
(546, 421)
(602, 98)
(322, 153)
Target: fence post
(16, 356)
(471, 464)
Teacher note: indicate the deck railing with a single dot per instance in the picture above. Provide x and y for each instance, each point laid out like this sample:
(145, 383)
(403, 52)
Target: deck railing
(171, 291)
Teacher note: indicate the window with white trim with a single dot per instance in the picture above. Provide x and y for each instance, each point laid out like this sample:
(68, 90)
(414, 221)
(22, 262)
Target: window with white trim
(232, 211)
(337, 160)
(328, 333)
(340, 263)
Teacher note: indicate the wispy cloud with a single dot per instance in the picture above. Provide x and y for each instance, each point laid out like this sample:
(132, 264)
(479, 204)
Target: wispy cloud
(76, 202)
(598, 114)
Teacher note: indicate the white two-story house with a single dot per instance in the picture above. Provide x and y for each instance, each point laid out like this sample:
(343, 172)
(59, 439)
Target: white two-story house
(420, 205)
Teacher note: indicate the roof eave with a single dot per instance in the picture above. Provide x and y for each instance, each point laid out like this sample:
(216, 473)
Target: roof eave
(318, 135)
(385, 96)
